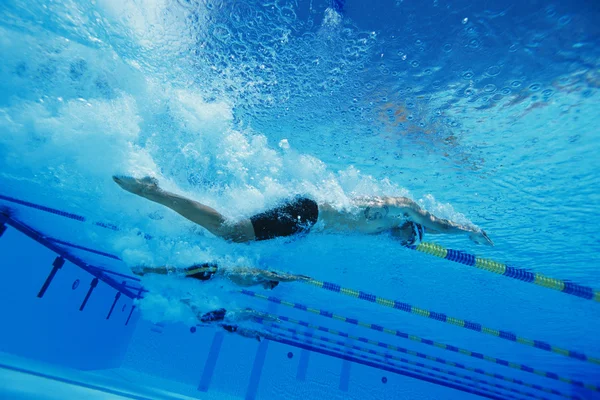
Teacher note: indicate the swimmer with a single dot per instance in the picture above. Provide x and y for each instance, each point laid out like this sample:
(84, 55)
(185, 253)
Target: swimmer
(228, 319)
(241, 276)
(401, 217)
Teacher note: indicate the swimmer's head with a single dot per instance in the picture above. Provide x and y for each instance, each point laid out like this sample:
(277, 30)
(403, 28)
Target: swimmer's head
(409, 234)
(403, 234)
(270, 285)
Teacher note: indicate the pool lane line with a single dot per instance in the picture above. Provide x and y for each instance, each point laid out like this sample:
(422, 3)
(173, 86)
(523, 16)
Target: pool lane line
(387, 357)
(69, 215)
(376, 363)
(92, 270)
(433, 249)
(413, 353)
(521, 274)
(418, 339)
(441, 317)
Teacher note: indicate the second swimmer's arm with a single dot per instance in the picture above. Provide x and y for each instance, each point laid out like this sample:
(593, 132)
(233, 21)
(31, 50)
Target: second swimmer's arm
(253, 276)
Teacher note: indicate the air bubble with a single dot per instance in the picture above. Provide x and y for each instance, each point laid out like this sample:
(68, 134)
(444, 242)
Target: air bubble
(564, 20)
(547, 93)
(221, 32)
(516, 84)
(493, 70)
(489, 88)
(534, 87)
(513, 47)
(414, 64)
(474, 44)
(465, 20)
(427, 71)
(447, 48)
(418, 42)
(469, 92)
(506, 91)
(468, 75)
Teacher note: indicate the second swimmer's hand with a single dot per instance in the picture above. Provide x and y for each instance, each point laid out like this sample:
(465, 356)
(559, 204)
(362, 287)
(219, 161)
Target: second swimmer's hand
(480, 237)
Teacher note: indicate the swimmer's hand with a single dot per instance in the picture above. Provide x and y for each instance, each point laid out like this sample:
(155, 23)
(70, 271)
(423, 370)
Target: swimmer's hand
(136, 186)
(480, 237)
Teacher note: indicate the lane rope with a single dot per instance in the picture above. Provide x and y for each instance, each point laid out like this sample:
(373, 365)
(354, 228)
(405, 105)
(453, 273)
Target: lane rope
(441, 317)
(402, 367)
(413, 353)
(386, 357)
(508, 271)
(418, 339)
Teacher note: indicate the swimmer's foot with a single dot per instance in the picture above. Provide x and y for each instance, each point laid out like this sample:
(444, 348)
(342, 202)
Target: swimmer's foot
(141, 186)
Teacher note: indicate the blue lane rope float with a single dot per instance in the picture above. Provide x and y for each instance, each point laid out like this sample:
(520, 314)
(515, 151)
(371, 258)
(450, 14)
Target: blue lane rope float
(386, 357)
(418, 339)
(441, 317)
(413, 353)
(433, 249)
(419, 372)
(521, 274)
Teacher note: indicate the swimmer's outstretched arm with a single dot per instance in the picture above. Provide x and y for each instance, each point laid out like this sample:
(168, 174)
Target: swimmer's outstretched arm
(406, 208)
(162, 270)
(245, 276)
(433, 223)
(247, 314)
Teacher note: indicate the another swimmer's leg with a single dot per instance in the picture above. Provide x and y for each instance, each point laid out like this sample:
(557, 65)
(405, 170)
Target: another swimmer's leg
(201, 214)
(142, 270)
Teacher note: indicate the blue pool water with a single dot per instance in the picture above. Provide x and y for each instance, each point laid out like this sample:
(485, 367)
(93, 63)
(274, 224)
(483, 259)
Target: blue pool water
(482, 112)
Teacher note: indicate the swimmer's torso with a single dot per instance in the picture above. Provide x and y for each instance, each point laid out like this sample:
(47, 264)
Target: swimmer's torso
(367, 215)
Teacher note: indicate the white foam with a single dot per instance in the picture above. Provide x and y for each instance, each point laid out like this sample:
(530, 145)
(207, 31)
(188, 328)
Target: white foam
(79, 115)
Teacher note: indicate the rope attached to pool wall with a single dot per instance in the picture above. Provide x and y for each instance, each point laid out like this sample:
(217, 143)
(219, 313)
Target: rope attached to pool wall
(441, 317)
(374, 363)
(418, 339)
(402, 350)
(584, 292)
(521, 274)
(358, 352)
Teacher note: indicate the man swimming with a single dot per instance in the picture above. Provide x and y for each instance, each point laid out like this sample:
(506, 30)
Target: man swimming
(399, 216)
(241, 276)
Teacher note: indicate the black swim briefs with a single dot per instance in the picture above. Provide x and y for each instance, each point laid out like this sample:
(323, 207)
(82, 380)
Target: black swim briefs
(214, 316)
(296, 216)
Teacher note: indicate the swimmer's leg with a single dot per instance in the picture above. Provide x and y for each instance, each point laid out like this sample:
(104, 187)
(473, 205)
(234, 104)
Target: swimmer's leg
(203, 215)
